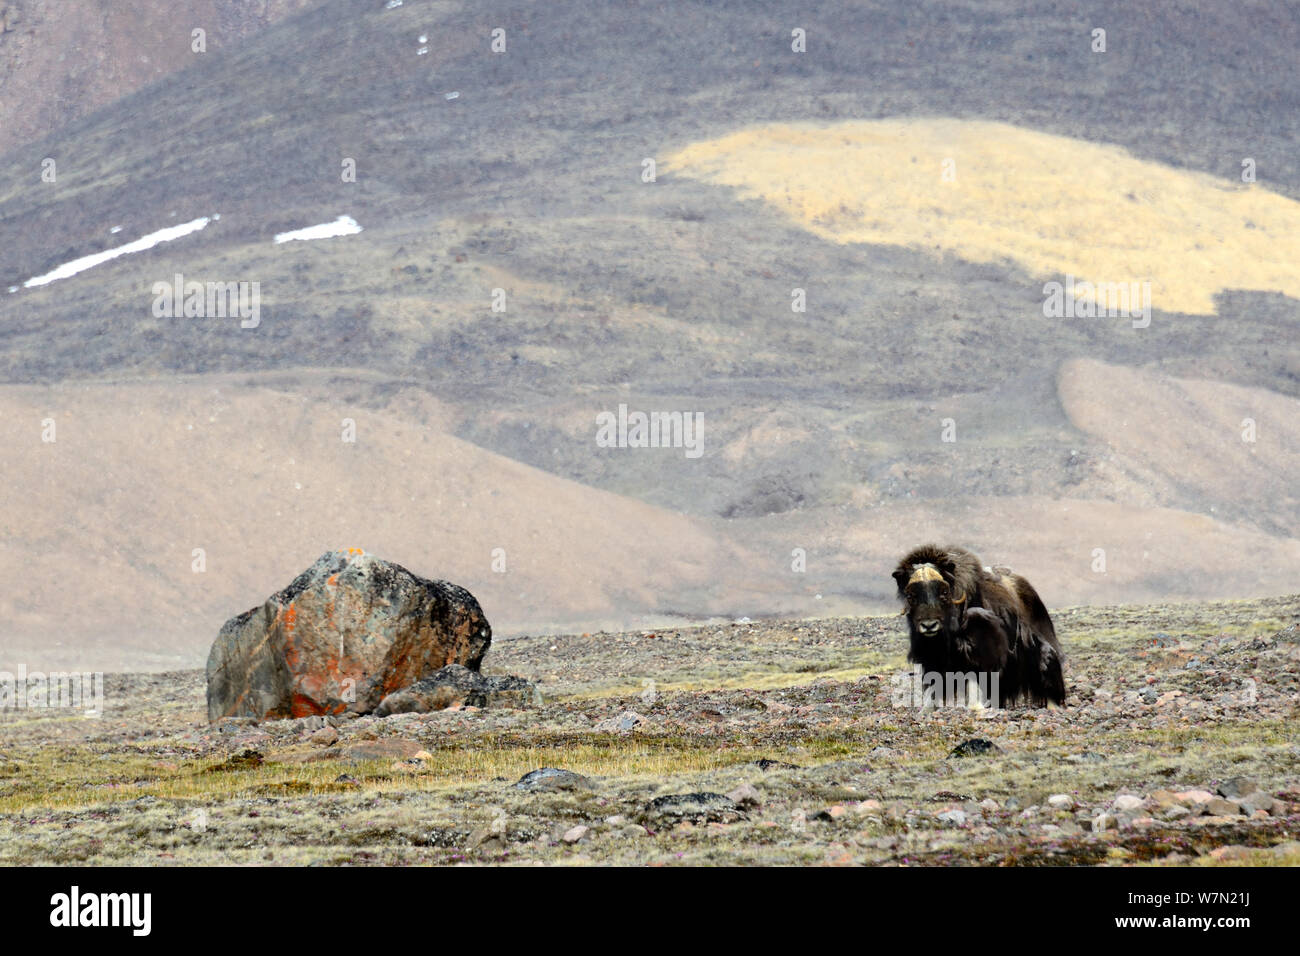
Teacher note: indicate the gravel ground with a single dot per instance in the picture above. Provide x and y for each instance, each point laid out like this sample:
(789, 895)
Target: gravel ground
(751, 742)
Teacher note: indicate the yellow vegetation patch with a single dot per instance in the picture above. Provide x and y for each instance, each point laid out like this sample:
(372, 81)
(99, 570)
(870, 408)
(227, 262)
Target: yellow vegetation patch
(1055, 205)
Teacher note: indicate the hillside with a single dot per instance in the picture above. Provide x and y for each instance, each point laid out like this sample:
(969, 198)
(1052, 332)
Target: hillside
(516, 177)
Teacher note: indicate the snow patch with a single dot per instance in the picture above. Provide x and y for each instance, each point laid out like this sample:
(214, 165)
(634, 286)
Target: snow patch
(342, 226)
(140, 245)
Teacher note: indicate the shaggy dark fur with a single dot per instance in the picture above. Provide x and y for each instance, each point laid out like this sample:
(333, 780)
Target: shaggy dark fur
(963, 618)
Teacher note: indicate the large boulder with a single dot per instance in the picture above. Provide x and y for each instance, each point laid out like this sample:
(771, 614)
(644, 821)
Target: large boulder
(347, 632)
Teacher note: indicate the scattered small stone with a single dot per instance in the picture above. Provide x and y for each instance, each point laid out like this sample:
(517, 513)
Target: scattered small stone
(1060, 801)
(1127, 801)
(746, 795)
(988, 804)
(956, 818)
(1103, 821)
(628, 720)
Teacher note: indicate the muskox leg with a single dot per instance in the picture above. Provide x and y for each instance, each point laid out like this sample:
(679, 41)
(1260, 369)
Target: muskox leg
(1049, 681)
(985, 642)
(1037, 666)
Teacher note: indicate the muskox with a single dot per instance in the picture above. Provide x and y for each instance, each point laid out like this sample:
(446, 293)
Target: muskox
(968, 620)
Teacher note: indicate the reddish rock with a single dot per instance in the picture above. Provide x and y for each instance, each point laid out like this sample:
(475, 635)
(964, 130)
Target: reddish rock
(348, 631)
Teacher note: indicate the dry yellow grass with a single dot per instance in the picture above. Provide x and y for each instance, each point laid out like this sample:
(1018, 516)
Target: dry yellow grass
(1126, 220)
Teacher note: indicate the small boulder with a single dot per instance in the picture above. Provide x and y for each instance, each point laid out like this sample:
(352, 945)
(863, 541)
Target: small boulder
(766, 763)
(1254, 802)
(1219, 807)
(387, 748)
(1237, 787)
(700, 807)
(325, 737)
(746, 795)
(574, 834)
(457, 685)
(975, 747)
(553, 778)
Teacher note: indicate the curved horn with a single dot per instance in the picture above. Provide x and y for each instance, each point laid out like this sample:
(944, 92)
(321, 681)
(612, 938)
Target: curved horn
(959, 600)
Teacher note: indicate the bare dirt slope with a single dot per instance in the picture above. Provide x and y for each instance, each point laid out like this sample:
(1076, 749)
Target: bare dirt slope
(61, 60)
(101, 525)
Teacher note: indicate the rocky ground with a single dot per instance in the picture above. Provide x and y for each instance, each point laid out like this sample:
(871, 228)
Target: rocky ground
(747, 743)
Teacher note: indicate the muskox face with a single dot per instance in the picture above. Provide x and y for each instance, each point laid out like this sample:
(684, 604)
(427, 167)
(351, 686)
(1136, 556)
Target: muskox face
(933, 609)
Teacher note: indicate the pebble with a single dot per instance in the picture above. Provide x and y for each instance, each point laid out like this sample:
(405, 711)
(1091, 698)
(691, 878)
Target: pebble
(1060, 801)
(574, 834)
